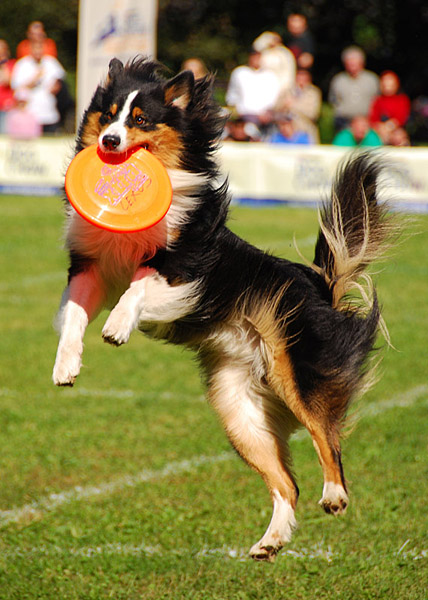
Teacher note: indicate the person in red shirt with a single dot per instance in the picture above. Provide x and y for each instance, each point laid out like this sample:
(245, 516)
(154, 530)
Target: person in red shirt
(391, 109)
(6, 68)
(36, 33)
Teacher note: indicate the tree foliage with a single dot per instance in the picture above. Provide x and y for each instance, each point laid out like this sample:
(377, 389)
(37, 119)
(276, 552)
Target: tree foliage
(58, 16)
(392, 32)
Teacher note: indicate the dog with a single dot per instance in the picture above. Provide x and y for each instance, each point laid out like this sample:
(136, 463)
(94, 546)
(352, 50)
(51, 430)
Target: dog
(280, 344)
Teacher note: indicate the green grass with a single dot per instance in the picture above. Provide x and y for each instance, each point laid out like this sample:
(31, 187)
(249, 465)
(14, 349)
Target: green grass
(182, 530)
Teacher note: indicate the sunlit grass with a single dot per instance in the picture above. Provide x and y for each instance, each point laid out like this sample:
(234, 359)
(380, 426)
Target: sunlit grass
(185, 534)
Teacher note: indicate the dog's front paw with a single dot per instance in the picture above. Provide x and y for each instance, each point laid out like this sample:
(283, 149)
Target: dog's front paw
(117, 328)
(334, 499)
(66, 370)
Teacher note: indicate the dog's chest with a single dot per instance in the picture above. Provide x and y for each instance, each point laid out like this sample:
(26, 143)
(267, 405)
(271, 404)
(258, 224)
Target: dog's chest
(117, 255)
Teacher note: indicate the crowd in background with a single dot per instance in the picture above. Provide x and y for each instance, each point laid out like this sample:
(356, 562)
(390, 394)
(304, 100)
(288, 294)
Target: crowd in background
(272, 98)
(34, 98)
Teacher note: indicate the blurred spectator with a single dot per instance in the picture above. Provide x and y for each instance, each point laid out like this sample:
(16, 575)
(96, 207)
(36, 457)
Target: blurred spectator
(197, 66)
(6, 92)
(300, 40)
(36, 33)
(352, 90)
(253, 91)
(65, 103)
(391, 109)
(305, 101)
(358, 133)
(276, 57)
(238, 130)
(20, 122)
(40, 75)
(288, 131)
(399, 137)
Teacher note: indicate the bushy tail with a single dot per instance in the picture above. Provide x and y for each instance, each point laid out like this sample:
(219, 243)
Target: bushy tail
(354, 230)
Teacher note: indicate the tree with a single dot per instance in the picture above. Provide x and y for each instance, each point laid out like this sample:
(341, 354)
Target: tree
(59, 18)
(392, 32)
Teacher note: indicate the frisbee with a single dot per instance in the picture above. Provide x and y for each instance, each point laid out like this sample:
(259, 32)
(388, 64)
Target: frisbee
(124, 193)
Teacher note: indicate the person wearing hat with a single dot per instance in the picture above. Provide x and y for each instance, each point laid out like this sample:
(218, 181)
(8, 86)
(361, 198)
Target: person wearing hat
(277, 58)
(288, 132)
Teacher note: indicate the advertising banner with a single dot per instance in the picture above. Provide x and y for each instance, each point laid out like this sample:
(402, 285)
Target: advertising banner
(34, 167)
(304, 174)
(108, 29)
(258, 173)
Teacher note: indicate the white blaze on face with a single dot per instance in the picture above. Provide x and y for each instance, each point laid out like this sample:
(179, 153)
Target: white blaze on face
(117, 131)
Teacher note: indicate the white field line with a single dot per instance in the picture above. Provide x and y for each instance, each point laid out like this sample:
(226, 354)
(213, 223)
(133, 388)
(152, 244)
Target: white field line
(122, 394)
(33, 510)
(117, 549)
(315, 552)
(111, 393)
(100, 393)
(51, 502)
(400, 401)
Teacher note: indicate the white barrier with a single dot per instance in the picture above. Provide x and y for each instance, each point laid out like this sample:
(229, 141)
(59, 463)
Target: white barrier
(257, 172)
(34, 167)
(303, 174)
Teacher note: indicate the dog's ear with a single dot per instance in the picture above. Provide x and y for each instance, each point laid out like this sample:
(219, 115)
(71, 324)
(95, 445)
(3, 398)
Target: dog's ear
(179, 90)
(114, 68)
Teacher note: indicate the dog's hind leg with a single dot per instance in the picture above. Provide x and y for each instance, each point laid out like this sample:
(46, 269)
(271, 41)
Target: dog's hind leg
(81, 302)
(258, 426)
(317, 414)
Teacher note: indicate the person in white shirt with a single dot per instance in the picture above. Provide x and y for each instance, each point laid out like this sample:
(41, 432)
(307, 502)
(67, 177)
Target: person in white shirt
(253, 90)
(39, 75)
(277, 58)
(352, 91)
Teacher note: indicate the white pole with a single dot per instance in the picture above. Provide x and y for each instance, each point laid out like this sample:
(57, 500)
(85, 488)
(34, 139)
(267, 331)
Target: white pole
(108, 29)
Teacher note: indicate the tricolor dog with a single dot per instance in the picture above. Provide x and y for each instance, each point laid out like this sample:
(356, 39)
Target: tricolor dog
(280, 344)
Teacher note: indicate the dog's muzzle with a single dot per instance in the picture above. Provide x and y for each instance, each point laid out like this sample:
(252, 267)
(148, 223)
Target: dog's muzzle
(110, 142)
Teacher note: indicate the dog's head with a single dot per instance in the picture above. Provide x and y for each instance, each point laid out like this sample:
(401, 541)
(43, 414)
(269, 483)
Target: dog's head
(175, 119)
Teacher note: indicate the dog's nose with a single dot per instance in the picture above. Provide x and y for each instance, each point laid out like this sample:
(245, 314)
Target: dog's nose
(111, 142)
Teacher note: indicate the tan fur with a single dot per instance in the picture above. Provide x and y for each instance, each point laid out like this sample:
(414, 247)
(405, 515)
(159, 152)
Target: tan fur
(92, 129)
(164, 143)
(323, 420)
(256, 421)
(256, 425)
(178, 95)
(137, 112)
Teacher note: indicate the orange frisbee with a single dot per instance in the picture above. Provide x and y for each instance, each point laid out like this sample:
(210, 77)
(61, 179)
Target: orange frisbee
(123, 193)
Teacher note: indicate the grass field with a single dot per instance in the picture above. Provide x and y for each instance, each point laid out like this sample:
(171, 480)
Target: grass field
(125, 487)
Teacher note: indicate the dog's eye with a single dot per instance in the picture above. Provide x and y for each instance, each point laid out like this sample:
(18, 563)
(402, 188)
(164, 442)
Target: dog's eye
(107, 116)
(140, 120)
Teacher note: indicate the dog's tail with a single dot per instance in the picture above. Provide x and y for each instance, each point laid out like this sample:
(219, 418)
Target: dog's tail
(355, 230)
